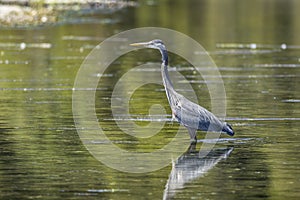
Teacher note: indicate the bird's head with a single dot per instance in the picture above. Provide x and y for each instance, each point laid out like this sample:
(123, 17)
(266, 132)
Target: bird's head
(153, 44)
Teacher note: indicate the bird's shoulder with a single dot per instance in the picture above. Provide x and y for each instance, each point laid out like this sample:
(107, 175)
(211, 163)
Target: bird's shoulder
(188, 104)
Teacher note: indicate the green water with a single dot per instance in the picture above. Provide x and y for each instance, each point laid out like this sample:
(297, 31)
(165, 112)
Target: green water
(256, 46)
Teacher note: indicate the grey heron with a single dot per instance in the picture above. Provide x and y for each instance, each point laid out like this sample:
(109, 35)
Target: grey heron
(191, 115)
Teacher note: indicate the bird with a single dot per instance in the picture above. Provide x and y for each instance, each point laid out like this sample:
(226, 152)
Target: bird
(189, 114)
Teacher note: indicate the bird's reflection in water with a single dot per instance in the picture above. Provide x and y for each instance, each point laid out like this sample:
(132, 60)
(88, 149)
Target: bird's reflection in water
(191, 166)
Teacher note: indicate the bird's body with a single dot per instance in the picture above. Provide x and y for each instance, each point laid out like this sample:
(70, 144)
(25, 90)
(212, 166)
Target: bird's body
(189, 114)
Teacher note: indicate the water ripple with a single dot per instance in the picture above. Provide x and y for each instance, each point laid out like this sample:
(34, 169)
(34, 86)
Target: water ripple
(291, 101)
(282, 46)
(23, 45)
(275, 65)
(167, 118)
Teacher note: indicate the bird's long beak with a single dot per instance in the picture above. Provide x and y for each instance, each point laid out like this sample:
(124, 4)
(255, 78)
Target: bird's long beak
(139, 44)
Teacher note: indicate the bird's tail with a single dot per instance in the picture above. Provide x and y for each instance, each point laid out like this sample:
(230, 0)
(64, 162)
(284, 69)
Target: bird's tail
(228, 129)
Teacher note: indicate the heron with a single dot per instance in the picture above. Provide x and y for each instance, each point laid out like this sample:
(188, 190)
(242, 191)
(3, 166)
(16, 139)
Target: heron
(189, 114)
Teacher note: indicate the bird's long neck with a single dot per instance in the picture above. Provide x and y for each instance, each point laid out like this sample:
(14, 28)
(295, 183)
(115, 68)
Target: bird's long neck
(164, 72)
(164, 54)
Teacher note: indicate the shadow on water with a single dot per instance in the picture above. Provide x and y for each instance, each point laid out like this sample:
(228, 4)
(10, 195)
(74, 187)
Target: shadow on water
(190, 166)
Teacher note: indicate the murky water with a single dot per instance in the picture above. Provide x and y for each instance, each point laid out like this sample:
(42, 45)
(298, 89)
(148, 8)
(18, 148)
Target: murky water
(257, 54)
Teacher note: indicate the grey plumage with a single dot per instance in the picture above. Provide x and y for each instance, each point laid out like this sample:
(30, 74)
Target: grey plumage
(191, 115)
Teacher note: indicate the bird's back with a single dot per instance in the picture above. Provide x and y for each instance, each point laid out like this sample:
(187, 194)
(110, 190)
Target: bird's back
(193, 115)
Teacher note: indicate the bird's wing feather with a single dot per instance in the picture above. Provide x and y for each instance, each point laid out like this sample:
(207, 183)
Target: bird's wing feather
(193, 115)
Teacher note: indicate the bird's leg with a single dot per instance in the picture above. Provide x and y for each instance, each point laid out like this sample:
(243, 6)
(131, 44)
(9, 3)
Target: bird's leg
(193, 136)
(192, 148)
(173, 118)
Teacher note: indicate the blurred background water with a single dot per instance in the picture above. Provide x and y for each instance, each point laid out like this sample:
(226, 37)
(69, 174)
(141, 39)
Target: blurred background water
(256, 46)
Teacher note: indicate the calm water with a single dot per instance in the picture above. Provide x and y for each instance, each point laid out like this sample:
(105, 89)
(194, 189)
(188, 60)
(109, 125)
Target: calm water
(256, 46)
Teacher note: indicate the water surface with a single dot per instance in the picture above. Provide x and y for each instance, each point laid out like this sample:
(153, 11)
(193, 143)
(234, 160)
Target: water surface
(257, 55)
